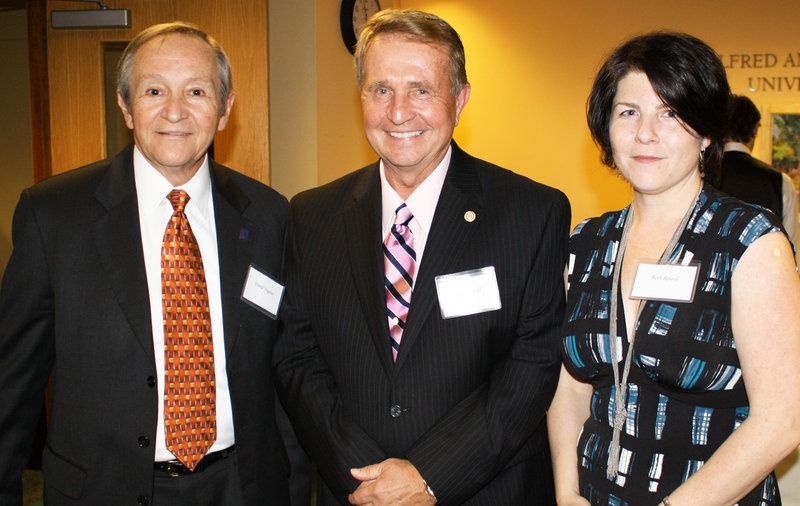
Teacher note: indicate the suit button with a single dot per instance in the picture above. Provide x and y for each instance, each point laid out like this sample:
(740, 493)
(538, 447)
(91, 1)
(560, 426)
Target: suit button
(395, 411)
(151, 381)
(144, 441)
(144, 500)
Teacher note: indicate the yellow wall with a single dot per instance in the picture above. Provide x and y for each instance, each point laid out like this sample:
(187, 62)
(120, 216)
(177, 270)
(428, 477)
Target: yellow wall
(531, 66)
(341, 147)
(15, 143)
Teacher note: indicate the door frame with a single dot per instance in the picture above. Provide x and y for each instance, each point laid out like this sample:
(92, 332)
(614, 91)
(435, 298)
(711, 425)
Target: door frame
(39, 89)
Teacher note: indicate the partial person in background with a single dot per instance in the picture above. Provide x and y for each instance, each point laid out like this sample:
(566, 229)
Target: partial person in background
(748, 178)
(125, 286)
(425, 298)
(680, 384)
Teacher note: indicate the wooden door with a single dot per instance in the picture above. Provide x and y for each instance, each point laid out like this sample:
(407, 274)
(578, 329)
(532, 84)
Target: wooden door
(74, 67)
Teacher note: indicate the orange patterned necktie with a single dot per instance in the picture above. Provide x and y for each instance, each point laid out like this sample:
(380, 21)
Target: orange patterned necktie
(190, 420)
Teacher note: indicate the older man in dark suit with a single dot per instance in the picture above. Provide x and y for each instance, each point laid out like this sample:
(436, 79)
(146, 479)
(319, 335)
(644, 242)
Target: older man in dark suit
(425, 294)
(139, 284)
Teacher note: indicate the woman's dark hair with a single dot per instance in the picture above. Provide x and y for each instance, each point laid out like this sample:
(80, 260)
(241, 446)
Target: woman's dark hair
(687, 76)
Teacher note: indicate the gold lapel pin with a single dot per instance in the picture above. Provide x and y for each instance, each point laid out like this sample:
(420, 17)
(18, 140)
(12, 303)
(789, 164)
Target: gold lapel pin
(469, 216)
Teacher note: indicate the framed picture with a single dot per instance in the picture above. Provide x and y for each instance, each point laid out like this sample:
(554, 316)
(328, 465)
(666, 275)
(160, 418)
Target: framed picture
(784, 140)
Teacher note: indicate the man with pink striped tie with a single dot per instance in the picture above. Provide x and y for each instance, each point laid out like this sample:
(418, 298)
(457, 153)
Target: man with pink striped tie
(424, 298)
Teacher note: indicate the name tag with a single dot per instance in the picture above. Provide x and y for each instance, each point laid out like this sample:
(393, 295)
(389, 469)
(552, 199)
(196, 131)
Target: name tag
(262, 292)
(468, 292)
(665, 282)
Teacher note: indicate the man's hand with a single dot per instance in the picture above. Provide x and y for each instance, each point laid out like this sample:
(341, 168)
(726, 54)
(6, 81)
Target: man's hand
(392, 481)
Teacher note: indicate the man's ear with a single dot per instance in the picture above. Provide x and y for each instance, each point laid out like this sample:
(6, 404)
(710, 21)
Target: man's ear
(125, 112)
(223, 120)
(461, 101)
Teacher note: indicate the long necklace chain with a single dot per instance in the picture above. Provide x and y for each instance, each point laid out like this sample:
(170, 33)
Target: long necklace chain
(621, 385)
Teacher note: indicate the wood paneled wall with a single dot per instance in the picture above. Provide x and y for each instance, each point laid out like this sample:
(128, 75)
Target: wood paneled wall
(74, 64)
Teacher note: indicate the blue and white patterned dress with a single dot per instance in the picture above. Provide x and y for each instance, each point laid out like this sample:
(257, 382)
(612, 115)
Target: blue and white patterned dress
(685, 390)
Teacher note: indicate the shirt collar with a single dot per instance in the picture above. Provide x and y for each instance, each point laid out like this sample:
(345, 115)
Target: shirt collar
(422, 201)
(736, 146)
(152, 187)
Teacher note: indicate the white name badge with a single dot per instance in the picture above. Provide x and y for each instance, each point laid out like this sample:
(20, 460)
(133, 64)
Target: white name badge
(262, 292)
(468, 292)
(665, 282)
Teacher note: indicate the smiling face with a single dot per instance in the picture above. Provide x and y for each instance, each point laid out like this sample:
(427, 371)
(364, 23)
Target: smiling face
(409, 110)
(174, 104)
(653, 149)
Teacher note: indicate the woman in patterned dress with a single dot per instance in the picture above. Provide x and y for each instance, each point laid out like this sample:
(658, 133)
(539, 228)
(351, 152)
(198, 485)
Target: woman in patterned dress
(700, 294)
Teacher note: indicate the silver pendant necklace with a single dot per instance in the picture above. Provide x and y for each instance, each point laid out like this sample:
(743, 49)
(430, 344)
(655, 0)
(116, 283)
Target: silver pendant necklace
(621, 385)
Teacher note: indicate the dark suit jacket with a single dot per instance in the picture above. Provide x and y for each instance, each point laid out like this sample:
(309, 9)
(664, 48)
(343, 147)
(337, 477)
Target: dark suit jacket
(751, 180)
(466, 399)
(74, 304)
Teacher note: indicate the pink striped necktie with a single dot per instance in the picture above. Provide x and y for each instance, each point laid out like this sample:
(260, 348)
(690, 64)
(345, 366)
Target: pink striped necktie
(400, 263)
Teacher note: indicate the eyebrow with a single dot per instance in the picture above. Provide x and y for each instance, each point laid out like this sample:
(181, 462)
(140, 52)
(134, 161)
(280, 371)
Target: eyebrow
(192, 79)
(375, 85)
(410, 84)
(420, 84)
(662, 105)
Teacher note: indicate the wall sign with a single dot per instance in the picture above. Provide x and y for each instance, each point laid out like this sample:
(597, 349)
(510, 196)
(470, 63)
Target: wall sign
(767, 72)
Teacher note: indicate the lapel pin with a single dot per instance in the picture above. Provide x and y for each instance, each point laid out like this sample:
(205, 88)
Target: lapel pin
(469, 216)
(244, 233)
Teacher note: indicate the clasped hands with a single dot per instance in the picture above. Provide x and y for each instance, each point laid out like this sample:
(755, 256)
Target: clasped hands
(393, 481)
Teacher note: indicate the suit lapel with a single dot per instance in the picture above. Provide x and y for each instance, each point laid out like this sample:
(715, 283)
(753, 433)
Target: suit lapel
(124, 264)
(235, 239)
(449, 236)
(117, 238)
(362, 224)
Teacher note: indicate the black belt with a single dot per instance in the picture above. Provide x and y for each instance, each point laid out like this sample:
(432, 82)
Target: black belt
(174, 468)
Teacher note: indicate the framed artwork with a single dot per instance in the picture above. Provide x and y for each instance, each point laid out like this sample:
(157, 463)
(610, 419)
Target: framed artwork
(784, 147)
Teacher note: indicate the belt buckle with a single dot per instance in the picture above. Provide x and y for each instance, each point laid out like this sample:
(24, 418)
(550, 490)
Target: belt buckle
(173, 468)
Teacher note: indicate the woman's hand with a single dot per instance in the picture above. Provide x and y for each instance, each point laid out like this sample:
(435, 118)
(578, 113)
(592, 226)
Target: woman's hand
(565, 418)
(573, 501)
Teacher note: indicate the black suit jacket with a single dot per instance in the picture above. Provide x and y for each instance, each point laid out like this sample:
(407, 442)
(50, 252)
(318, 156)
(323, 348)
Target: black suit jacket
(751, 180)
(74, 305)
(466, 399)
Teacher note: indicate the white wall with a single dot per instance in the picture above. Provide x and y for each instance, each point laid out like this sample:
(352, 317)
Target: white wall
(316, 134)
(293, 99)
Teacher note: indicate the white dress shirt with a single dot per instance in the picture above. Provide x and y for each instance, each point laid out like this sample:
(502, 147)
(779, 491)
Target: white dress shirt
(155, 210)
